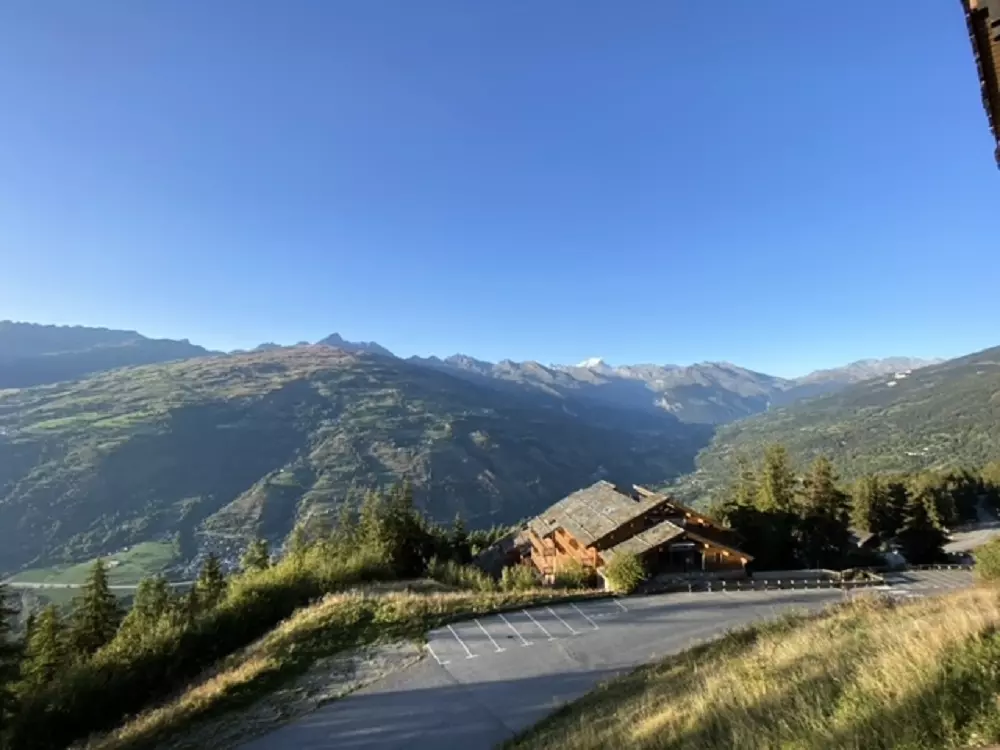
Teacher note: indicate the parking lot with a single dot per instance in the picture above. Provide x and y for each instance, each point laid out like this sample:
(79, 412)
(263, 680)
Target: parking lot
(497, 634)
(492, 676)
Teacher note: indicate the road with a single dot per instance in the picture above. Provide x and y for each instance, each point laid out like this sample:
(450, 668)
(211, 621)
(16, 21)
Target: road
(486, 679)
(28, 585)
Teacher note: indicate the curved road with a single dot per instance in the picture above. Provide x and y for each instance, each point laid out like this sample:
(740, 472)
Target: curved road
(485, 680)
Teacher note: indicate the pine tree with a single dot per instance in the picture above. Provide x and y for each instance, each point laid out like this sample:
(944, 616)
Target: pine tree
(257, 556)
(345, 534)
(153, 601)
(891, 515)
(824, 533)
(776, 491)
(371, 525)
(745, 489)
(96, 613)
(9, 658)
(297, 541)
(868, 503)
(47, 652)
(211, 584)
(459, 541)
(920, 538)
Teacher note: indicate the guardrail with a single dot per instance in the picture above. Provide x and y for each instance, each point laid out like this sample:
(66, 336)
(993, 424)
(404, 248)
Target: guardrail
(768, 585)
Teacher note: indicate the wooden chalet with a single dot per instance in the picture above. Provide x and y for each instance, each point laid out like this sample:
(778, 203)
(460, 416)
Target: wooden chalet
(596, 523)
(983, 20)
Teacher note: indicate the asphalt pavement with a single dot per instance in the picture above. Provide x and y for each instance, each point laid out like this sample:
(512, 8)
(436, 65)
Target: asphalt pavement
(488, 678)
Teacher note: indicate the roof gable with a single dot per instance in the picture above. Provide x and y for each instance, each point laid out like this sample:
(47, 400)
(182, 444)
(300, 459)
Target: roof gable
(592, 513)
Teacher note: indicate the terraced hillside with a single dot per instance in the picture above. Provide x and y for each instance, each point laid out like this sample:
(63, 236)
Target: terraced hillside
(245, 444)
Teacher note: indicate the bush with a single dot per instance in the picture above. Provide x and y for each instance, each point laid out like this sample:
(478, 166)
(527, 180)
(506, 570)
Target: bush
(518, 578)
(462, 576)
(988, 561)
(624, 573)
(572, 575)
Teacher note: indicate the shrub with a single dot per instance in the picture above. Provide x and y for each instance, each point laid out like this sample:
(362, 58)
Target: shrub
(988, 561)
(572, 575)
(624, 573)
(518, 578)
(462, 576)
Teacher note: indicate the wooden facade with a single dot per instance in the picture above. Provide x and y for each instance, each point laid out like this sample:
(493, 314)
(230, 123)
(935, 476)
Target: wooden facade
(983, 20)
(591, 526)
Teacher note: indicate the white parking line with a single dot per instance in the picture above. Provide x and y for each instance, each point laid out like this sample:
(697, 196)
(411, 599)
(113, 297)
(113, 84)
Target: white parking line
(570, 627)
(540, 626)
(462, 643)
(620, 605)
(523, 642)
(436, 657)
(584, 615)
(495, 644)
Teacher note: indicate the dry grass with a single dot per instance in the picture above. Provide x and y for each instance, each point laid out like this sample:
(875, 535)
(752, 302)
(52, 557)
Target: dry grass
(337, 623)
(870, 674)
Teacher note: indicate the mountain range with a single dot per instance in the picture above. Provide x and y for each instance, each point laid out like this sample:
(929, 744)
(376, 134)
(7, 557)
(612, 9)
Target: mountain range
(128, 438)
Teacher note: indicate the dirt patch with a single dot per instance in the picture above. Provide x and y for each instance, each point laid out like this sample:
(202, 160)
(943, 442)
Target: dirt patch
(327, 680)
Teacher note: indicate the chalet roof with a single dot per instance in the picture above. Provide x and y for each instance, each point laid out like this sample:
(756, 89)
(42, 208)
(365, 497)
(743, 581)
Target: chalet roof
(650, 494)
(643, 542)
(983, 19)
(592, 513)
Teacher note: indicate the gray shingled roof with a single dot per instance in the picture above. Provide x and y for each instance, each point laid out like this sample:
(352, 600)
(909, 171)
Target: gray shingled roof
(649, 539)
(592, 513)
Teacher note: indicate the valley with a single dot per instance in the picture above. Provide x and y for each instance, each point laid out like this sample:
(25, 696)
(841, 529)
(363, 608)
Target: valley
(209, 450)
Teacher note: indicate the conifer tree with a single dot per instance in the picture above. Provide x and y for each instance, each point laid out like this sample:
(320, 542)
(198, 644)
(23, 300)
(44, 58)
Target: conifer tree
(257, 556)
(153, 600)
(96, 613)
(920, 538)
(345, 534)
(868, 503)
(776, 491)
(9, 658)
(458, 540)
(211, 584)
(47, 651)
(891, 516)
(745, 488)
(371, 525)
(824, 534)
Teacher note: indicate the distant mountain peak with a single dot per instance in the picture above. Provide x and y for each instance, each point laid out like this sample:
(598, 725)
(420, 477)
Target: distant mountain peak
(336, 341)
(592, 363)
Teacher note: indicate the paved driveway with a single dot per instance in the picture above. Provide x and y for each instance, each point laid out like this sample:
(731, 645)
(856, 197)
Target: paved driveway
(489, 678)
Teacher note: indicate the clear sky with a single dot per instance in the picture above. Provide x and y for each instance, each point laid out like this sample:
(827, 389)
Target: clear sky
(786, 185)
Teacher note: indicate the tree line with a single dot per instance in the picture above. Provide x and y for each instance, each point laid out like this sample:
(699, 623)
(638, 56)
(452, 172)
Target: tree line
(71, 674)
(788, 519)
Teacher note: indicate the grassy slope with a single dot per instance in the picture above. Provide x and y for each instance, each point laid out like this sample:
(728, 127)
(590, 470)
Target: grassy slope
(141, 561)
(242, 444)
(941, 416)
(866, 675)
(335, 624)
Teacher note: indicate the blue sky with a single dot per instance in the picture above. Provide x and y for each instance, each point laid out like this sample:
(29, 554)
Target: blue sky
(780, 184)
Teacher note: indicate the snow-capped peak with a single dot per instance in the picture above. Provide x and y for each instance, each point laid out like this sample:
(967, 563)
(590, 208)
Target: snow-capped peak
(592, 363)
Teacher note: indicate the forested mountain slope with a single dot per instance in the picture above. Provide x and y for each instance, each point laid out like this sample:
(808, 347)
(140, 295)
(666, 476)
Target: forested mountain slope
(245, 444)
(940, 416)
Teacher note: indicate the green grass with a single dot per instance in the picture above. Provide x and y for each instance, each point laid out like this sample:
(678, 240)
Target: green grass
(867, 674)
(142, 560)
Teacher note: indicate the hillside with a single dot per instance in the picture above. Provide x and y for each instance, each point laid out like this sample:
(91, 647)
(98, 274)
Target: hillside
(706, 393)
(939, 416)
(869, 674)
(245, 444)
(32, 354)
